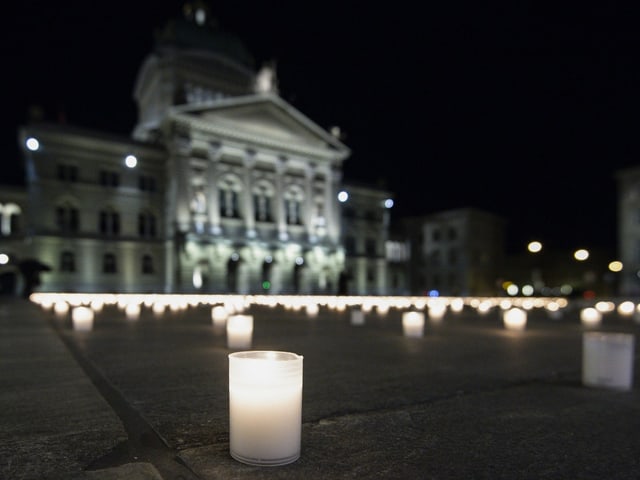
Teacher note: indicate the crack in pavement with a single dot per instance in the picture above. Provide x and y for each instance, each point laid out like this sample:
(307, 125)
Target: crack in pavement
(144, 443)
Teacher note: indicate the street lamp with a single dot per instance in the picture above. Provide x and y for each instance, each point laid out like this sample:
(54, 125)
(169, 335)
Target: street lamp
(535, 247)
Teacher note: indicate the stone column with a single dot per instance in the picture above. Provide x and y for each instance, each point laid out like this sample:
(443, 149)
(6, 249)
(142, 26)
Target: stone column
(332, 182)
(213, 195)
(248, 210)
(308, 212)
(281, 218)
(178, 184)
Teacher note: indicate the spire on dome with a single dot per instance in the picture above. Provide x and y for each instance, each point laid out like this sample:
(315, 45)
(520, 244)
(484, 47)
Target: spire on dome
(198, 12)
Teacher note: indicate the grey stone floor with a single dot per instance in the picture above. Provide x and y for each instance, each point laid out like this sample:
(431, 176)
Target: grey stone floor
(148, 399)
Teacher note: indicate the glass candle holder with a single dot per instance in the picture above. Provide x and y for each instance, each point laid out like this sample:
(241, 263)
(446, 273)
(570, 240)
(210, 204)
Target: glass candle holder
(413, 324)
(514, 318)
(239, 331)
(607, 360)
(82, 318)
(265, 407)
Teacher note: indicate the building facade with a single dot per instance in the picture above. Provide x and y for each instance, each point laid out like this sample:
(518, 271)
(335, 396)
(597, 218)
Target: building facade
(365, 235)
(222, 187)
(628, 187)
(455, 252)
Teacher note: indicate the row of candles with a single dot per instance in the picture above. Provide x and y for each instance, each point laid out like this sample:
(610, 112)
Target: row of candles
(265, 387)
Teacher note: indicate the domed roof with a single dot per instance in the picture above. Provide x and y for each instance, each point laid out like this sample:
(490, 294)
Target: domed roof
(187, 34)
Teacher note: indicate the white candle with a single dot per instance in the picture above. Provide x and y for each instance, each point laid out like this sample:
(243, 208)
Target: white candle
(413, 324)
(607, 360)
(82, 318)
(239, 331)
(132, 311)
(590, 317)
(265, 407)
(357, 317)
(514, 319)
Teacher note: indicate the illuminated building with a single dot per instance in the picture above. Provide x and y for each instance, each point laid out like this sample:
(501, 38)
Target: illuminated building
(223, 186)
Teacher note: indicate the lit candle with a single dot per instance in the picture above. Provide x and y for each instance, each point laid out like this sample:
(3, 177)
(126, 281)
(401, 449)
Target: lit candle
(514, 318)
(239, 331)
(590, 317)
(413, 324)
(265, 407)
(82, 318)
(607, 360)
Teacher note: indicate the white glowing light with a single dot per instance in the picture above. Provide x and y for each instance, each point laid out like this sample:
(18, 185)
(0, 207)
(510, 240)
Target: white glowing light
(82, 318)
(615, 266)
(4, 258)
(626, 308)
(513, 289)
(590, 317)
(343, 196)
(413, 324)
(534, 247)
(515, 319)
(581, 254)
(32, 144)
(527, 290)
(131, 161)
(388, 203)
(239, 331)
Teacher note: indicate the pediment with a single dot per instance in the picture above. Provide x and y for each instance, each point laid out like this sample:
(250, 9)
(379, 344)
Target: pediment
(265, 118)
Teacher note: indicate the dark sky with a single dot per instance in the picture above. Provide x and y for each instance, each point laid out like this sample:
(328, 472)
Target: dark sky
(524, 109)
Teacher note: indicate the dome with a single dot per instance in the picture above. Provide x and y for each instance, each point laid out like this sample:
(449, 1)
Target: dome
(187, 35)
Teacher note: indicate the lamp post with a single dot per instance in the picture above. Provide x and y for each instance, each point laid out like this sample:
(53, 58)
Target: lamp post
(535, 247)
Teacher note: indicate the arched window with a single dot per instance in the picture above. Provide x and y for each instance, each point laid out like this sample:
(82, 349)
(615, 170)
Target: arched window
(293, 199)
(229, 190)
(9, 219)
(263, 193)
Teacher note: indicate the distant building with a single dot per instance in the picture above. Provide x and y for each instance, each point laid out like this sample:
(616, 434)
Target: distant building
(456, 252)
(628, 186)
(365, 234)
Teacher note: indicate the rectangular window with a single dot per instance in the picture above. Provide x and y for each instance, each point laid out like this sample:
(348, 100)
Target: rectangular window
(109, 178)
(67, 262)
(109, 263)
(67, 219)
(370, 247)
(147, 264)
(147, 183)
(67, 173)
(109, 222)
(350, 246)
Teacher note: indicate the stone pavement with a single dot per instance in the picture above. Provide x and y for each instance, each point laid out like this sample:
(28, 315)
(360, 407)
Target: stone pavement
(148, 398)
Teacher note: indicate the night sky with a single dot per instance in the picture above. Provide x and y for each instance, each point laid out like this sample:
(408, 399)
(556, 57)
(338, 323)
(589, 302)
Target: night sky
(523, 109)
